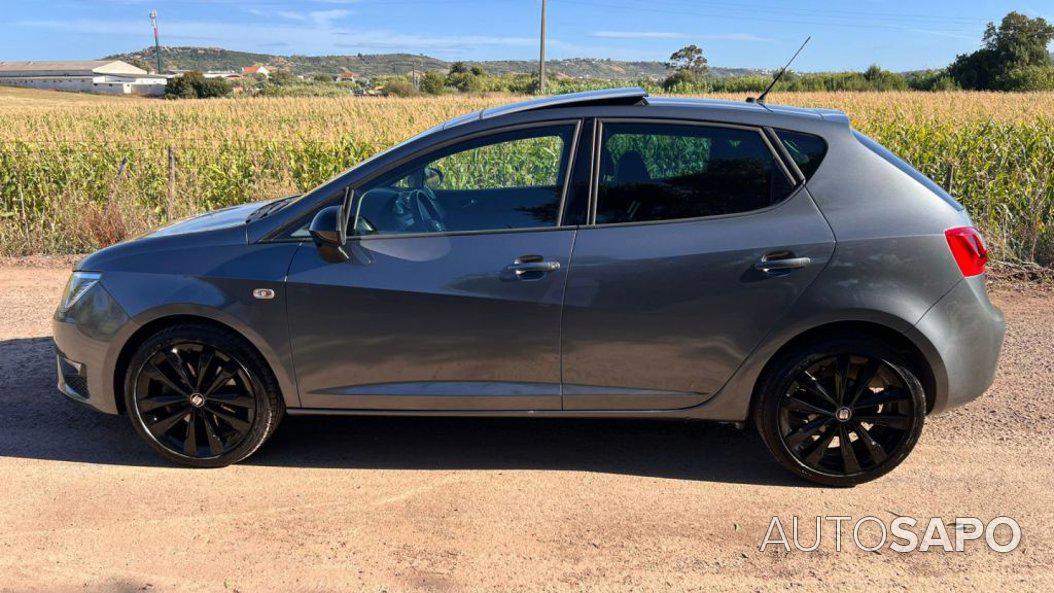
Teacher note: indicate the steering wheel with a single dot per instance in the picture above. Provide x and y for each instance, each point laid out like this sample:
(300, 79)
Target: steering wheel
(428, 214)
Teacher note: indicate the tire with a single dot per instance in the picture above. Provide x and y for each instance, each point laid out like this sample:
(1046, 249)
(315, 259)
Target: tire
(199, 409)
(800, 409)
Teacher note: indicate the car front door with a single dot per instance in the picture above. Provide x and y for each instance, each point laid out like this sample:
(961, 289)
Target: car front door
(668, 290)
(451, 296)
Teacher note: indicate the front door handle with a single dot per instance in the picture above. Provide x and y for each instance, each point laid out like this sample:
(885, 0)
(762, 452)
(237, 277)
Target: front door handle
(531, 266)
(782, 264)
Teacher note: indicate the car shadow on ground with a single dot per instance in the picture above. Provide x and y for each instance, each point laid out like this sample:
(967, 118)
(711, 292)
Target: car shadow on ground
(38, 423)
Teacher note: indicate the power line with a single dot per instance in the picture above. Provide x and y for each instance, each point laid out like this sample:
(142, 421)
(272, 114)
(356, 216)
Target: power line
(748, 9)
(729, 15)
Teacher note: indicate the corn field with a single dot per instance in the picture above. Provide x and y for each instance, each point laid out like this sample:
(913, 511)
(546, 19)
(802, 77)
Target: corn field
(79, 173)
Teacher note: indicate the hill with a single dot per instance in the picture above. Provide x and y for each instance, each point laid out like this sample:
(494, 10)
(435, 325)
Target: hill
(371, 65)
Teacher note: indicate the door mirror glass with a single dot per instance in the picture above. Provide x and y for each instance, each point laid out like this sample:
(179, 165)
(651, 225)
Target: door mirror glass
(433, 178)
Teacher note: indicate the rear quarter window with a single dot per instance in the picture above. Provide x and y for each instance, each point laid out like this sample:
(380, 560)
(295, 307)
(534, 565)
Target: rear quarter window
(807, 150)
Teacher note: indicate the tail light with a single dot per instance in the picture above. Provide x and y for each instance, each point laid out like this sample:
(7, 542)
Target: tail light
(967, 249)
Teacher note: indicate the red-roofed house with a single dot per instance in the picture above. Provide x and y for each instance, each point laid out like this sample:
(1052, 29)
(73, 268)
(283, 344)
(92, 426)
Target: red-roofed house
(256, 69)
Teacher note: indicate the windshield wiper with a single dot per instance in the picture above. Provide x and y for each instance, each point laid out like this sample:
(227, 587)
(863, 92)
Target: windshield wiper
(267, 209)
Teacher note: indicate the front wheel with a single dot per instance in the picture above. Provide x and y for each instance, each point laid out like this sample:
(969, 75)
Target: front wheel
(201, 396)
(840, 412)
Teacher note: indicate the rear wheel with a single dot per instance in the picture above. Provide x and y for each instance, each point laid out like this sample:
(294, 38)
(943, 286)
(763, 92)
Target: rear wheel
(841, 412)
(201, 396)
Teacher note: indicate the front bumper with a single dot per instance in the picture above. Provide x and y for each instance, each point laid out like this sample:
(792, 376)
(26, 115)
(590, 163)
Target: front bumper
(73, 378)
(967, 332)
(85, 351)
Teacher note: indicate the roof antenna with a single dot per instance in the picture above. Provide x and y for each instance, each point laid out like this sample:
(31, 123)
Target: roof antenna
(775, 79)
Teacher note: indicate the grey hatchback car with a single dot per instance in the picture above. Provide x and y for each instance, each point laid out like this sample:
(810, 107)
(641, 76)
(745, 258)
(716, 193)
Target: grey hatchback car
(603, 255)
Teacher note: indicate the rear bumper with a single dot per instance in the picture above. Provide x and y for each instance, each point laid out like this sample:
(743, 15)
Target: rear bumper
(966, 331)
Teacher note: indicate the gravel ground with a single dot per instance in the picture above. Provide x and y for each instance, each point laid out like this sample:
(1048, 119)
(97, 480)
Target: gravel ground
(338, 504)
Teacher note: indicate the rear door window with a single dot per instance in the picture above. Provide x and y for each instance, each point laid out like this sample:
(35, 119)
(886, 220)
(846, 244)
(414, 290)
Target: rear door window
(655, 171)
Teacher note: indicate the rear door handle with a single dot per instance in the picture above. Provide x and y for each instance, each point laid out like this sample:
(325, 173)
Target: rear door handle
(769, 266)
(529, 266)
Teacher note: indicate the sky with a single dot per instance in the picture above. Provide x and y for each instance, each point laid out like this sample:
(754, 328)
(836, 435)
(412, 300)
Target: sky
(897, 34)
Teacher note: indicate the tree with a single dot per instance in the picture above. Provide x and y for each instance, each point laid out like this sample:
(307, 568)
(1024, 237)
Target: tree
(282, 77)
(399, 87)
(689, 59)
(465, 82)
(877, 79)
(458, 68)
(182, 87)
(689, 66)
(432, 83)
(194, 85)
(682, 81)
(213, 87)
(1019, 42)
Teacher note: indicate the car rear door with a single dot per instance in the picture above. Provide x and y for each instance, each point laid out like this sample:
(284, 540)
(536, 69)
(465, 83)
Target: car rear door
(701, 241)
(463, 318)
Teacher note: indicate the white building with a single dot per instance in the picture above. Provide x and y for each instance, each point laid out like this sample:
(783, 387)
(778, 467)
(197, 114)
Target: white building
(230, 74)
(112, 77)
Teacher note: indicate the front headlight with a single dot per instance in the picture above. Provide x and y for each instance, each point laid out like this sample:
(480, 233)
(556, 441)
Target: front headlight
(78, 284)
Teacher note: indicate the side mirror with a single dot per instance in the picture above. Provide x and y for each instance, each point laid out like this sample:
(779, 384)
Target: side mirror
(433, 178)
(329, 230)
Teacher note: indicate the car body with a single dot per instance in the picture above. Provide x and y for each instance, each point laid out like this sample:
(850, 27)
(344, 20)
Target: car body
(584, 306)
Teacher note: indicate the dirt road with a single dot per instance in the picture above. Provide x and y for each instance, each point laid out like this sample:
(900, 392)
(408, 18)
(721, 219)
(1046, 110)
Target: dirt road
(497, 505)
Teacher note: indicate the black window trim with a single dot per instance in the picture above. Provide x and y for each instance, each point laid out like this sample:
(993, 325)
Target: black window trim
(796, 185)
(283, 235)
(785, 155)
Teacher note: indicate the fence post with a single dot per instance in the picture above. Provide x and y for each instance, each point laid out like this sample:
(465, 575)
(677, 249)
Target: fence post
(949, 177)
(117, 180)
(171, 196)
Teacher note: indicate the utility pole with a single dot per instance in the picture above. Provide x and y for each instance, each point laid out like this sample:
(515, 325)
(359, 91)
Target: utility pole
(157, 40)
(541, 55)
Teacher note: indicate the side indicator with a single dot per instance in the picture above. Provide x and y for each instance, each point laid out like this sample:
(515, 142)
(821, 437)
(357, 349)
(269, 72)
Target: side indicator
(264, 294)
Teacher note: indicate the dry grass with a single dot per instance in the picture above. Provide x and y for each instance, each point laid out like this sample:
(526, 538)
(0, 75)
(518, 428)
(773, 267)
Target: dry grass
(60, 152)
(25, 97)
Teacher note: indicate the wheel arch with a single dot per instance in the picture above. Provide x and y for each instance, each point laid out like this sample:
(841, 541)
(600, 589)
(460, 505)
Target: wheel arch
(734, 402)
(159, 323)
(910, 348)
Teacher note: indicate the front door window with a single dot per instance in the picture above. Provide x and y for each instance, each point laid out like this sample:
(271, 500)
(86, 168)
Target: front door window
(510, 180)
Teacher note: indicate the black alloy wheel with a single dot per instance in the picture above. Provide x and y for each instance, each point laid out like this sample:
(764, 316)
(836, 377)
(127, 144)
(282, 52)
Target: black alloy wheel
(843, 416)
(201, 396)
(195, 400)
